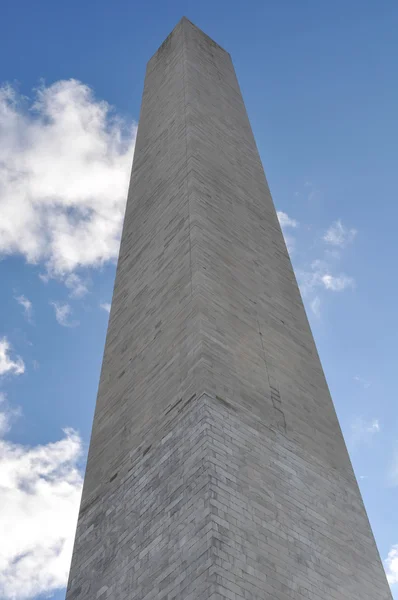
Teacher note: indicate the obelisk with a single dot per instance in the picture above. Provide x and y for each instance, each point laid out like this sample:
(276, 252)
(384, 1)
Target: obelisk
(217, 468)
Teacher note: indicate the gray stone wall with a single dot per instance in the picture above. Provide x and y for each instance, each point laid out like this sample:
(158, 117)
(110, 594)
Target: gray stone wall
(217, 468)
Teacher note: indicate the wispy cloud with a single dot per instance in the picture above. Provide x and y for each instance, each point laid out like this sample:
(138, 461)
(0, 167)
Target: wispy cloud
(314, 195)
(391, 565)
(77, 286)
(40, 490)
(287, 223)
(7, 415)
(26, 305)
(339, 235)
(106, 306)
(315, 305)
(64, 170)
(63, 313)
(361, 381)
(4, 419)
(319, 276)
(337, 283)
(324, 273)
(7, 364)
(363, 431)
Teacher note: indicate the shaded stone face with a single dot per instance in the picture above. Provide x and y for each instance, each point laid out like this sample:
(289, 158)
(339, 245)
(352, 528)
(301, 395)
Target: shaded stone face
(217, 468)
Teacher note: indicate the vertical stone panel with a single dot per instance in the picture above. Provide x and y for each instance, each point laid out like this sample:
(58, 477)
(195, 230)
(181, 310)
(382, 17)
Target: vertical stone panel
(217, 468)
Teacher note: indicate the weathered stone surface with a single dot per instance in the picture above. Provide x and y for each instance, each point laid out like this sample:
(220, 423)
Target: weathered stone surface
(217, 468)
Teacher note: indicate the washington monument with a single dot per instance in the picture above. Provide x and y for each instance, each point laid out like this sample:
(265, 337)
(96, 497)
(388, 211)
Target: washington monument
(217, 468)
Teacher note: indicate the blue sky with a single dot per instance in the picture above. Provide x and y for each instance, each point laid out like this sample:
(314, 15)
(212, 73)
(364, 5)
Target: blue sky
(319, 82)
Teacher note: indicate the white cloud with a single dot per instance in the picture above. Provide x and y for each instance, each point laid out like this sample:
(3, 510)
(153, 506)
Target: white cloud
(363, 431)
(63, 313)
(315, 305)
(7, 415)
(64, 170)
(40, 489)
(76, 285)
(337, 283)
(286, 223)
(338, 235)
(4, 417)
(320, 277)
(374, 426)
(361, 381)
(285, 220)
(26, 305)
(391, 565)
(7, 364)
(106, 306)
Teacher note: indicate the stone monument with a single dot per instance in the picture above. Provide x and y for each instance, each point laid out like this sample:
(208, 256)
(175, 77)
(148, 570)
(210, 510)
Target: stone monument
(217, 468)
